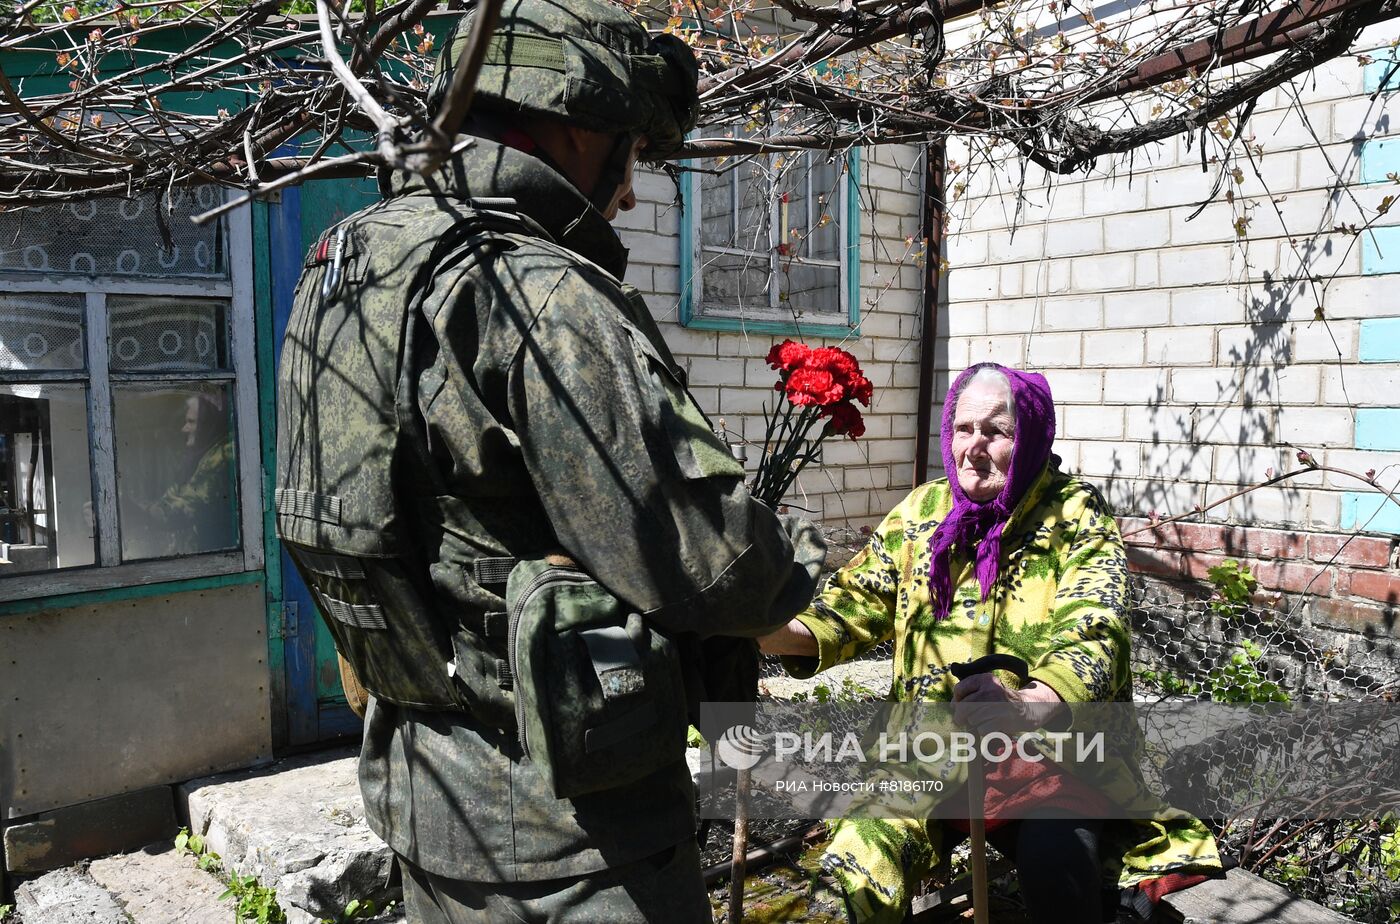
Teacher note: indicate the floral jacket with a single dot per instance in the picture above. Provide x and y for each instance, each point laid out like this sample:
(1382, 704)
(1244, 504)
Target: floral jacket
(1060, 604)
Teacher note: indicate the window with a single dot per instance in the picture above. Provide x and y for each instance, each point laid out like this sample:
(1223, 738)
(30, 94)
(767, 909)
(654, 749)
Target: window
(128, 406)
(771, 244)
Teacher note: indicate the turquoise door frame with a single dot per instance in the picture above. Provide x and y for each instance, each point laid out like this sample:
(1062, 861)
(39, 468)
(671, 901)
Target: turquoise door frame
(314, 701)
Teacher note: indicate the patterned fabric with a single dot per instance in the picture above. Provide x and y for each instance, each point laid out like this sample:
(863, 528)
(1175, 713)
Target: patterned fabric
(1060, 604)
(664, 887)
(589, 63)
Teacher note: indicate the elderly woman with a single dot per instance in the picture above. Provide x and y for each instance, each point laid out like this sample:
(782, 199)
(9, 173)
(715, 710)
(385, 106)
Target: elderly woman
(1006, 555)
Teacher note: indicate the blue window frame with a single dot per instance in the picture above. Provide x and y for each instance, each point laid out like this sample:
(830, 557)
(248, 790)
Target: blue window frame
(772, 245)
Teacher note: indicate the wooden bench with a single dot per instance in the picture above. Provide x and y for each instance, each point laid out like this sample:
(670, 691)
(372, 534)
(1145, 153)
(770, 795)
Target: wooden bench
(1239, 898)
(1243, 898)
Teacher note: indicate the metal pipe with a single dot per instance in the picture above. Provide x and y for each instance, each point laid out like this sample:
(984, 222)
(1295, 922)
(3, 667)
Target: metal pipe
(760, 857)
(1274, 31)
(935, 206)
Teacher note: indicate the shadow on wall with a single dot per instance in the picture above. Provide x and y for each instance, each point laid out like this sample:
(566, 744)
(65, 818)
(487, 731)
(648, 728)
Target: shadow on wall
(1236, 435)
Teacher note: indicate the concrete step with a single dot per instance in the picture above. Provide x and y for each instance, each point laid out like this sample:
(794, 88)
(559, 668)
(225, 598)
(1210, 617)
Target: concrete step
(151, 886)
(299, 827)
(67, 896)
(159, 886)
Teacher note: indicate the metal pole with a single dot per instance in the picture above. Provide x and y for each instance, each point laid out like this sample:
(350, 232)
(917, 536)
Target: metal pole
(935, 181)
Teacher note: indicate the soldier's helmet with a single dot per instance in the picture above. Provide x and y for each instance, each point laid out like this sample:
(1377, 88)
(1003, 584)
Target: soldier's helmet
(581, 61)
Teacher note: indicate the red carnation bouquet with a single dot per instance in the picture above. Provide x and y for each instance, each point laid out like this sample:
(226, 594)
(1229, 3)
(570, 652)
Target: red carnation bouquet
(818, 385)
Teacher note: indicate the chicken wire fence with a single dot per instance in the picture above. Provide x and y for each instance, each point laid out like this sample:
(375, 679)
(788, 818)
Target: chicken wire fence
(1188, 644)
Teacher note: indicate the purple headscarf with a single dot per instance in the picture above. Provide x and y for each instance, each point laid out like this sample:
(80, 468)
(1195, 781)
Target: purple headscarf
(971, 520)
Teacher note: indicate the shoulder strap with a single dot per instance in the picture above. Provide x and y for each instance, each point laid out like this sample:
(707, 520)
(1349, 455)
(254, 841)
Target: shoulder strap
(468, 231)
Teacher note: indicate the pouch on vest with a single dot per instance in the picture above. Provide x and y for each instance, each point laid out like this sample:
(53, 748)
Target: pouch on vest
(385, 624)
(599, 696)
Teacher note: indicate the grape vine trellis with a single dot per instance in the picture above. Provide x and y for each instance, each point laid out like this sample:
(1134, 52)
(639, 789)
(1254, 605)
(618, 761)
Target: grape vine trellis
(1051, 77)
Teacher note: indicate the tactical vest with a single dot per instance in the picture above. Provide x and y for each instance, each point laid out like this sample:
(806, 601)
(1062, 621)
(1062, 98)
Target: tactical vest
(350, 436)
(597, 695)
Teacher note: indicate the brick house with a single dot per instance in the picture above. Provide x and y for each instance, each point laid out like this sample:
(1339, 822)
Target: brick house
(1184, 358)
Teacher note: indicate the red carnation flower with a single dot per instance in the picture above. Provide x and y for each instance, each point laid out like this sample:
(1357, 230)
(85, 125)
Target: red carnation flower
(788, 355)
(846, 420)
(813, 386)
(836, 361)
(819, 384)
(861, 389)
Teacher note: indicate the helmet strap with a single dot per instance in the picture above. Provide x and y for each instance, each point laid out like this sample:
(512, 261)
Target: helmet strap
(614, 172)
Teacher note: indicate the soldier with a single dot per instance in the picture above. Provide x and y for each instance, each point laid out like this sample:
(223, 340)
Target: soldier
(469, 397)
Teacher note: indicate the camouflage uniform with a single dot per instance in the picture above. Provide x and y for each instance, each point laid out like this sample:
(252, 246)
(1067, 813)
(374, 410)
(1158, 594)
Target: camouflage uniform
(552, 416)
(196, 515)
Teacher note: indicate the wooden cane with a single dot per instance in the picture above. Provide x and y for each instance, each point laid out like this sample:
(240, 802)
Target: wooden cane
(739, 868)
(977, 781)
(977, 834)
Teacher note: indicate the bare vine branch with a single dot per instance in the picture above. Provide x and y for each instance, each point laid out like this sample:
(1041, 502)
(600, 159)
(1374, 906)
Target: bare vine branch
(1063, 87)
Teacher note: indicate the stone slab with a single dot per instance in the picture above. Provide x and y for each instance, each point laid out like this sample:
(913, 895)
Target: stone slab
(58, 838)
(299, 827)
(158, 886)
(1243, 898)
(67, 896)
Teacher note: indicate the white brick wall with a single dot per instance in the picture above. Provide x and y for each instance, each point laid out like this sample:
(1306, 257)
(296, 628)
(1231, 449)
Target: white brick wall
(1185, 359)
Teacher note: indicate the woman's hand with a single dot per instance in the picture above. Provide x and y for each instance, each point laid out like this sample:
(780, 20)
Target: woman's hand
(792, 639)
(984, 703)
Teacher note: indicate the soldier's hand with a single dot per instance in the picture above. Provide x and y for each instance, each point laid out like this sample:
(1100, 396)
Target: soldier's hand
(808, 546)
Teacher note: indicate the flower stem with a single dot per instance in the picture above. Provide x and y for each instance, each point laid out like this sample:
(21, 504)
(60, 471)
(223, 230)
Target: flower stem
(773, 458)
(807, 457)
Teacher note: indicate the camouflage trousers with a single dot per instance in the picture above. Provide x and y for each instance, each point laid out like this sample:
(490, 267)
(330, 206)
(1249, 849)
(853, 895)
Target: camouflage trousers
(664, 887)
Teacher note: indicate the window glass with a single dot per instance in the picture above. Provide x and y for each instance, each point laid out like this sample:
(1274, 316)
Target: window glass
(46, 517)
(820, 196)
(176, 469)
(41, 333)
(126, 454)
(150, 235)
(167, 334)
(736, 281)
(717, 210)
(771, 238)
(808, 287)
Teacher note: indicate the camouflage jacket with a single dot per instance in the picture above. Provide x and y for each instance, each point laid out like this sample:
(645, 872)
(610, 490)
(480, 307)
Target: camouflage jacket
(196, 515)
(555, 418)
